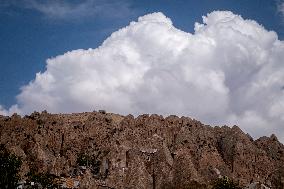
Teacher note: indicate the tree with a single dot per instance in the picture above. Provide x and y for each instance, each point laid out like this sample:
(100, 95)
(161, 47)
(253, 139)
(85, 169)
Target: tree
(225, 183)
(9, 167)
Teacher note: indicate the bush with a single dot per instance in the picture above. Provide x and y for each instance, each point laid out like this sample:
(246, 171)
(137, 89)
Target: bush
(84, 160)
(9, 168)
(89, 161)
(44, 179)
(225, 183)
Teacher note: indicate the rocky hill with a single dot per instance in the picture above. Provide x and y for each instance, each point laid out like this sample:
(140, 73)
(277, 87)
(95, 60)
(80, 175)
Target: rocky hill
(105, 150)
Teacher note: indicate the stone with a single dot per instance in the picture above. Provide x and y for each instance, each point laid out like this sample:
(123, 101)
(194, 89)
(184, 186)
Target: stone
(149, 151)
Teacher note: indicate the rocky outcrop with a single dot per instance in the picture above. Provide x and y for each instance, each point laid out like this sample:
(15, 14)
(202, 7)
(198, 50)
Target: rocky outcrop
(149, 151)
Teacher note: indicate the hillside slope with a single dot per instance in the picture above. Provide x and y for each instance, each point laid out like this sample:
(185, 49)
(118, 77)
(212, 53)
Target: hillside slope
(144, 152)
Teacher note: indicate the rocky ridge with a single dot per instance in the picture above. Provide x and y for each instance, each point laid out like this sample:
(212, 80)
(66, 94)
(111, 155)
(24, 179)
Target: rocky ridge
(149, 151)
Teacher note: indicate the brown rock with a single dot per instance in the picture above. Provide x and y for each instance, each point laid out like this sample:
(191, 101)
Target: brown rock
(144, 152)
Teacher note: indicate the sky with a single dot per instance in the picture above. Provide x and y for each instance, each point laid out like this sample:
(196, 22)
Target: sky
(220, 62)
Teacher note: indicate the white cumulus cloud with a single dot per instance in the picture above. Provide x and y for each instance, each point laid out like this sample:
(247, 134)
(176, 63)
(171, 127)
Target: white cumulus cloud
(229, 71)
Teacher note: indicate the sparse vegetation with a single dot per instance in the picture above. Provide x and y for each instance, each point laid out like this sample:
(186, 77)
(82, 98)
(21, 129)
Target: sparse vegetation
(225, 183)
(43, 180)
(89, 161)
(83, 160)
(9, 167)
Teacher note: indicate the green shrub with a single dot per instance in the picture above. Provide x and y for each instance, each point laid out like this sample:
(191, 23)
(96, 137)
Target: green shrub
(9, 168)
(225, 183)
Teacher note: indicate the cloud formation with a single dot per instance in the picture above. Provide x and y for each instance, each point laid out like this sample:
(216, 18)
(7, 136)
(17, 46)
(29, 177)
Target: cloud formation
(229, 71)
(280, 7)
(66, 10)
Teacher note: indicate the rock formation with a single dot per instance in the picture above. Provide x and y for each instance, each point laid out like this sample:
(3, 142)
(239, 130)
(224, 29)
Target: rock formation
(149, 151)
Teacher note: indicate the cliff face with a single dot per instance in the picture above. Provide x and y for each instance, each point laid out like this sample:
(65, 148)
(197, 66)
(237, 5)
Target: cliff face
(143, 152)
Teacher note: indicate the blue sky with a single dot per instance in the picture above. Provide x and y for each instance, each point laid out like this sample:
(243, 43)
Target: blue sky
(30, 34)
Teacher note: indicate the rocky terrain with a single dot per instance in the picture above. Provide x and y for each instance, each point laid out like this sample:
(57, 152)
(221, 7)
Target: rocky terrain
(149, 151)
